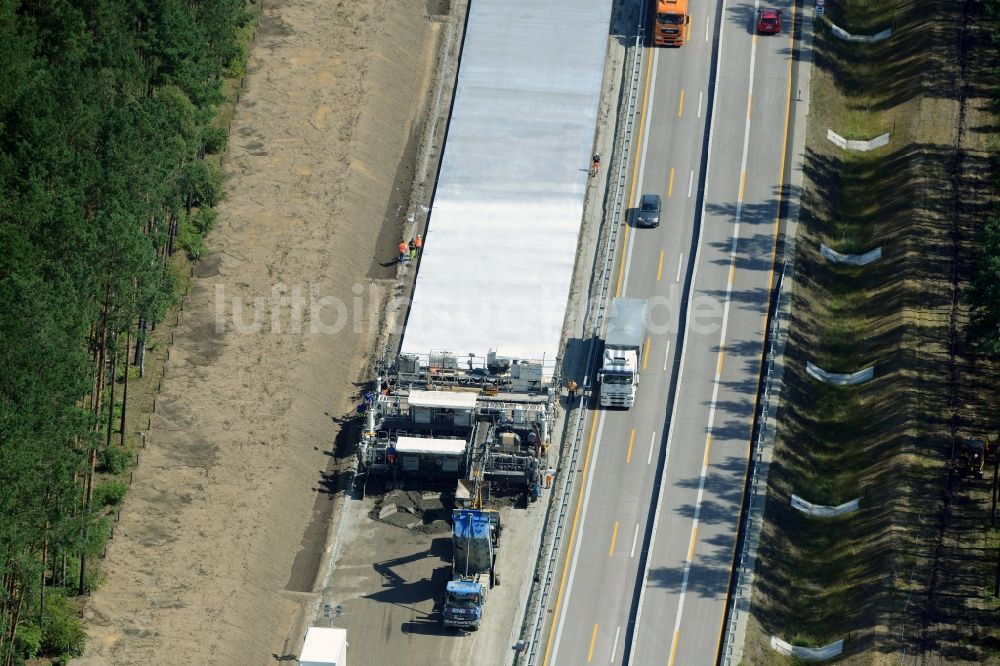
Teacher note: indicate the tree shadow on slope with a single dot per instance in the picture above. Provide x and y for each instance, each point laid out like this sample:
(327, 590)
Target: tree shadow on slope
(823, 579)
(911, 63)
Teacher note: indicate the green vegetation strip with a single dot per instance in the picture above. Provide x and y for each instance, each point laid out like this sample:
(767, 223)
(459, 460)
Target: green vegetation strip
(107, 113)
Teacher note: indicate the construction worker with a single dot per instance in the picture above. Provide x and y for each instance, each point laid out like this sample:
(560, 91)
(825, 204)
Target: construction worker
(571, 390)
(595, 164)
(420, 242)
(413, 248)
(403, 251)
(550, 474)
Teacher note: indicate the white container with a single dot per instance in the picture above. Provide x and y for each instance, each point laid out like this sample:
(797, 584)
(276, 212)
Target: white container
(324, 647)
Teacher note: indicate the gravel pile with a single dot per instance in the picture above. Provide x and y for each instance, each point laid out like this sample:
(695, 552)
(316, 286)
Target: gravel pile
(427, 512)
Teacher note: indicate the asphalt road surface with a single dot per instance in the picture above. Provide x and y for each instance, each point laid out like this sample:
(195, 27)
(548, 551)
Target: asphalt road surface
(646, 582)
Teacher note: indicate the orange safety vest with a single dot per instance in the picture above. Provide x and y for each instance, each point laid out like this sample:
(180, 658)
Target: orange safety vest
(419, 241)
(403, 248)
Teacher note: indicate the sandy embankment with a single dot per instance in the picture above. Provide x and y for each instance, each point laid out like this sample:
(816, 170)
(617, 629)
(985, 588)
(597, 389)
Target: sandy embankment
(219, 530)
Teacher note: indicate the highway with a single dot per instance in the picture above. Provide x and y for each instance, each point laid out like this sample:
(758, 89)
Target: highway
(643, 582)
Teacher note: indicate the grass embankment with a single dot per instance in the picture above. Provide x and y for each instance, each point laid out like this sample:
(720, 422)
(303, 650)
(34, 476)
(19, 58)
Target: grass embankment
(872, 577)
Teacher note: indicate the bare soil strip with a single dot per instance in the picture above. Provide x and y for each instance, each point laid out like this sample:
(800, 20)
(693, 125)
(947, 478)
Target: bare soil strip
(221, 536)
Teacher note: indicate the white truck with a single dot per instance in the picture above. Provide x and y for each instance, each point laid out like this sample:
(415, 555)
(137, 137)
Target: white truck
(623, 341)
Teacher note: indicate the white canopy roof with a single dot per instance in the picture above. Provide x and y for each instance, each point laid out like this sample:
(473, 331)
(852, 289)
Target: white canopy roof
(445, 399)
(498, 258)
(430, 445)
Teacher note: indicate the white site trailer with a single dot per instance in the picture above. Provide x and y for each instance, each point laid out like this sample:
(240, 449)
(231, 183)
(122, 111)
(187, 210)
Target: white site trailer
(324, 646)
(432, 456)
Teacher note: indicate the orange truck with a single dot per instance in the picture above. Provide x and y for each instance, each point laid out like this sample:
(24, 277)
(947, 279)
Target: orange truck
(670, 22)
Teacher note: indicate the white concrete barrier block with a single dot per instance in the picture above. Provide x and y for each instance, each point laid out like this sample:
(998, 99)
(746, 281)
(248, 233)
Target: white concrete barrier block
(857, 144)
(840, 33)
(808, 654)
(841, 379)
(854, 259)
(836, 138)
(871, 144)
(823, 510)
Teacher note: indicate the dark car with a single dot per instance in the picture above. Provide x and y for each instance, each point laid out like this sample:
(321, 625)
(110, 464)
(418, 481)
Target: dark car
(648, 213)
(769, 21)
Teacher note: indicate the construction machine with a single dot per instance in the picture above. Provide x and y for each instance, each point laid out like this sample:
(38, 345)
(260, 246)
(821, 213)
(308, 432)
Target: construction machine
(475, 538)
(484, 427)
(970, 457)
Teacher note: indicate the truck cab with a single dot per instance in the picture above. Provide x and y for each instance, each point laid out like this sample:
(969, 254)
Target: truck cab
(670, 22)
(623, 343)
(619, 378)
(464, 601)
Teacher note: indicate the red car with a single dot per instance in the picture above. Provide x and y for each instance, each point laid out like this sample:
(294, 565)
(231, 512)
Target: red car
(769, 21)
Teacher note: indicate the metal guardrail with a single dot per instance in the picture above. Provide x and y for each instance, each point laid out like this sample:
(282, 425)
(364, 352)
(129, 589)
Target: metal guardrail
(596, 312)
(747, 548)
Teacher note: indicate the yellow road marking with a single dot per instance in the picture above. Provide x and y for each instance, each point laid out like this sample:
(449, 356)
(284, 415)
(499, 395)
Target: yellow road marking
(659, 270)
(732, 273)
(680, 105)
(749, 105)
(645, 355)
(635, 173)
(621, 267)
(631, 440)
(593, 639)
(569, 546)
(708, 447)
(614, 537)
(743, 182)
(718, 367)
(694, 537)
(673, 647)
(670, 187)
(770, 283)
